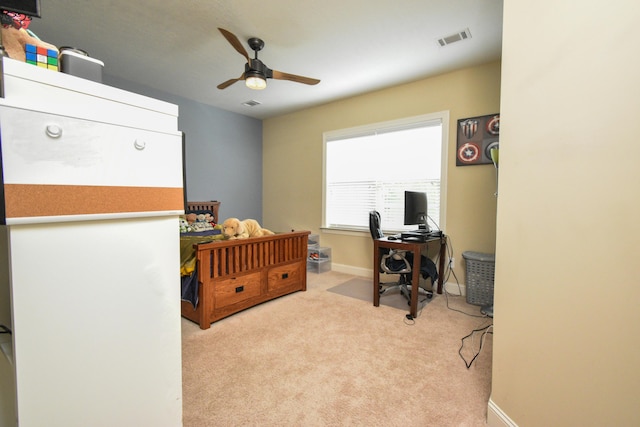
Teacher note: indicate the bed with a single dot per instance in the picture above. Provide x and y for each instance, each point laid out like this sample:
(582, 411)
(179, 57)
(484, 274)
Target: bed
(233, 275)
(212, 206)
(191, 235)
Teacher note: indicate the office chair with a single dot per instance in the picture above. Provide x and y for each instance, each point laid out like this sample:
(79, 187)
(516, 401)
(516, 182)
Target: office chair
(398, 262)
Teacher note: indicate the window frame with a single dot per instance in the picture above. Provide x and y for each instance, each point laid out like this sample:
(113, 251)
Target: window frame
(387, 126)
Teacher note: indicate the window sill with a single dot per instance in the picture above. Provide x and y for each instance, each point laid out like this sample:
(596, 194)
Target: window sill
(345, 231)
(355, 231)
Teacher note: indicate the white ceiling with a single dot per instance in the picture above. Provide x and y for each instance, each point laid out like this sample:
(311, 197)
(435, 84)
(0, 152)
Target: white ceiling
(352, 46)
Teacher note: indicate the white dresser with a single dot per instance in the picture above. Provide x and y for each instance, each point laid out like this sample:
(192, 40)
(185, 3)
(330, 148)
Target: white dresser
(89, 254)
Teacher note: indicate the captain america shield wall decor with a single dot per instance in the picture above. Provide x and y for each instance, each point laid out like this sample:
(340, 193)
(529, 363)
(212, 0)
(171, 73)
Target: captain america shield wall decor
(476, 137)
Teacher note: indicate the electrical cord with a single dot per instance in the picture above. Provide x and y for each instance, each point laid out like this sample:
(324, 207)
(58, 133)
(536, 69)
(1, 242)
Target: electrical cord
(409, 320)
(450, 272)
(485, 331)
(446, 295)
(434, 223)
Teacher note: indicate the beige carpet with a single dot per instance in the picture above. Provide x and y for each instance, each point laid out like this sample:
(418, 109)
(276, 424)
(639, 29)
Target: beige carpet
(362, 289)
(319, 358)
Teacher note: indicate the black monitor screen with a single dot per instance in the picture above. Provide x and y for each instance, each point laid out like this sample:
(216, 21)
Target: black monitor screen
(28, 7)
(415, 209)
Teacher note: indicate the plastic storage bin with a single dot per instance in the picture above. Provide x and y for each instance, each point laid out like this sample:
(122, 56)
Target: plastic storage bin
(77, 63)
(480, 274)
(313, 241)
(319, 260)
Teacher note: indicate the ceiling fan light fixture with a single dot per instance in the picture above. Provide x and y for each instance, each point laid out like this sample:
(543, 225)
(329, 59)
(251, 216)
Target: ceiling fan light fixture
(256, 72)
(255, 81)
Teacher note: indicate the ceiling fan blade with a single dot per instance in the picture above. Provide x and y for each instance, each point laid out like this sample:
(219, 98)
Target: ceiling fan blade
(279, 75)
(231, 38)
(229, 82)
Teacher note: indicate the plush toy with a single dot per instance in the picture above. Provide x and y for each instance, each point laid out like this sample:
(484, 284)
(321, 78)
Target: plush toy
(200, 218)
(233, 228)
(208, 217)
(184, 226)
(191, 218)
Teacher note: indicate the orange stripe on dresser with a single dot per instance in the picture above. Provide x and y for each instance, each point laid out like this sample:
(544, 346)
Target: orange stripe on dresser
(31, 200)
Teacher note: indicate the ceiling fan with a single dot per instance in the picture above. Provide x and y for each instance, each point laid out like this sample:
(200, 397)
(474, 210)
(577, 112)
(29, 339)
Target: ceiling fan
(256, 72)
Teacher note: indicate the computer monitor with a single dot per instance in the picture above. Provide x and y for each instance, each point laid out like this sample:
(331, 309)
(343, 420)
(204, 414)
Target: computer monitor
(415, 210)
(28, 7)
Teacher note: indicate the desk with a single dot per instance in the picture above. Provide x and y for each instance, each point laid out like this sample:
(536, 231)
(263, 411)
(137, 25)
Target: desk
(416, 248)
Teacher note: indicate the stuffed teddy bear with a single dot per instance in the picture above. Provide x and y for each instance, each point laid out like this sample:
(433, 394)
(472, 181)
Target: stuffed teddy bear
(191, 218)
(233, 228)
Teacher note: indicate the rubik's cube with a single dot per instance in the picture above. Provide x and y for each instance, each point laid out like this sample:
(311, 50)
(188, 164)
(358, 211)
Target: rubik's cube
(42, 57)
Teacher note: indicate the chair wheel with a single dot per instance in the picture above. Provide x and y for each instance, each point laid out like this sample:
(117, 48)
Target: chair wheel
(429, 296)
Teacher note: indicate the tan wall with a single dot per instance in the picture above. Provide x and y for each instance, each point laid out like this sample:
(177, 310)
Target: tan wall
(567, 318)
(292, 154)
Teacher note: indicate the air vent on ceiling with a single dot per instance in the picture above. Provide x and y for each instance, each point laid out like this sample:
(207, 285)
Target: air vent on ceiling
(251, 103)
(462, 35)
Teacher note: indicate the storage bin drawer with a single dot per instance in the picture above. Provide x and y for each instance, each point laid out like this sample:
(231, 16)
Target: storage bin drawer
(319, 259)
(32, 88)
(313, 241)
(284, 277)
(39, 148)
(236, 289)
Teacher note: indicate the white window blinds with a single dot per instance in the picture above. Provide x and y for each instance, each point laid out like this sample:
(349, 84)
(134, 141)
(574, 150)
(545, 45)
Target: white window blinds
(369, 168)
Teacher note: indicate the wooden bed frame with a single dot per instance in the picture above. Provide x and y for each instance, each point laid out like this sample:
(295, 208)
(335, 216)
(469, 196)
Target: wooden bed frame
(234, 275)
(212, 206)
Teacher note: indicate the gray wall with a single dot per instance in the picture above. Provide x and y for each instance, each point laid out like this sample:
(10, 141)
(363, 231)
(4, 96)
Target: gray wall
(223, 153)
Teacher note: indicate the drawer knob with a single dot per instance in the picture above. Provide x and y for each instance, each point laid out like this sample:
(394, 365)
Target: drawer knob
(54, 131)
(139, 145)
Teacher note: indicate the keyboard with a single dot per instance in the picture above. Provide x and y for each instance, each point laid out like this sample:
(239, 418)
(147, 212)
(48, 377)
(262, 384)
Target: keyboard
(421, 237)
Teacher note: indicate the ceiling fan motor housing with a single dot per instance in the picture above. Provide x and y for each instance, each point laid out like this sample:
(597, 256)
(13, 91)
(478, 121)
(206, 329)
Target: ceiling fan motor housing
(255, 67)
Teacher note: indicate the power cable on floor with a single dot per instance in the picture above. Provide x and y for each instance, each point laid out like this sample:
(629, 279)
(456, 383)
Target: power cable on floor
(485, 330)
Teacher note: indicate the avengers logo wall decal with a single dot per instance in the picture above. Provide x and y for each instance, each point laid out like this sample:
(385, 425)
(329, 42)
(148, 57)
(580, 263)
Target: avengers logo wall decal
(476, 137)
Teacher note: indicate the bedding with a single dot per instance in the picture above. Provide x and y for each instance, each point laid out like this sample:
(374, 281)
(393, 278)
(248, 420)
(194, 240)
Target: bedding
(200, 231)
(188, 270)
(188, 273)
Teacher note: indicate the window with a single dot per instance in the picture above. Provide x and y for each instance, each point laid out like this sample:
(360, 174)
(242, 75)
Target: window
(369, 168)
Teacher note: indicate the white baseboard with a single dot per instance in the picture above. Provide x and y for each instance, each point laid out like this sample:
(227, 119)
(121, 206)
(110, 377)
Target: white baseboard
(348, 269)
(452, 288)
(497, 418)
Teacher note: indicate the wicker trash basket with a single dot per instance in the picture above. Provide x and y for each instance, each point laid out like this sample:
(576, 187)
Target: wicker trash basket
(479, 281)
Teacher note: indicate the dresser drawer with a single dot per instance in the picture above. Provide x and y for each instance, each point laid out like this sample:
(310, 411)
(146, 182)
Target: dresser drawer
(285, 277)
(236, 289)
(34, 88)
(39, 148)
